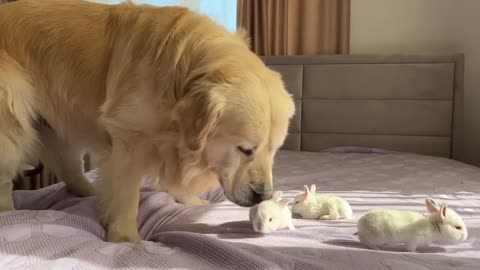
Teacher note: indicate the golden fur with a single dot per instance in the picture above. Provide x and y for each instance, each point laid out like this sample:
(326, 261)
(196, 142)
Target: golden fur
(151, 91)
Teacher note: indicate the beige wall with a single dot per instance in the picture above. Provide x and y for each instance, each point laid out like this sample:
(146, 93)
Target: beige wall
(426, 26)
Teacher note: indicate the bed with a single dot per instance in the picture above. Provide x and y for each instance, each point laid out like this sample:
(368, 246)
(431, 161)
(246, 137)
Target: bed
(381, 131)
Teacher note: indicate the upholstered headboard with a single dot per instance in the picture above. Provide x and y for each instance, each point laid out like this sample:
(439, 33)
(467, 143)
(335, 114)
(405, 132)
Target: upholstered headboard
(402, 103)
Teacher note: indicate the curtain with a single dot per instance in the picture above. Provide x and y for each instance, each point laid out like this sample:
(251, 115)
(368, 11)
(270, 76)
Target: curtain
(296, 27)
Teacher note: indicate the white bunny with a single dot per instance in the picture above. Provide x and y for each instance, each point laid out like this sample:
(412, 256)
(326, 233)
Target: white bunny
(271, 215)
(327, 207)
(381, 227)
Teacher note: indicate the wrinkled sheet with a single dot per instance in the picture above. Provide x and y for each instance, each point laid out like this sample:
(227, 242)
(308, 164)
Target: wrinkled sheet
(55, 230)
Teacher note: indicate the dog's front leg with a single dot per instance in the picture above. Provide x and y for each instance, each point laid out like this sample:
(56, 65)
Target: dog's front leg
(119, 194)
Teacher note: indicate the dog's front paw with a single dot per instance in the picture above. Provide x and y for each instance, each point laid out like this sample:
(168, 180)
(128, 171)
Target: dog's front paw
(194, 201)
(117, 236)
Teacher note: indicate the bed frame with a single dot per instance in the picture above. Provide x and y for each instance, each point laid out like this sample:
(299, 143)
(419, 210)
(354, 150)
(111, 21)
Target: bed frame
(401, 103)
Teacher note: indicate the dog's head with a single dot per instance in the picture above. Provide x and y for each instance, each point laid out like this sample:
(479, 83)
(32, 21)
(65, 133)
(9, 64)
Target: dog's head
(234, 128)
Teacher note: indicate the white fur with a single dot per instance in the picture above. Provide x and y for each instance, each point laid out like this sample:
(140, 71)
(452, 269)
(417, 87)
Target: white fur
(271, 215)
(381, 227)
(327, 207)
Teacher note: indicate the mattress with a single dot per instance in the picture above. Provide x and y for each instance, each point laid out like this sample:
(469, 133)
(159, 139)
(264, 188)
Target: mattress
(55, 230)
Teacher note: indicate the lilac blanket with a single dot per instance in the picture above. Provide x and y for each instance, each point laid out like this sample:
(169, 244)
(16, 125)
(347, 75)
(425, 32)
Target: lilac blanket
(55, 230)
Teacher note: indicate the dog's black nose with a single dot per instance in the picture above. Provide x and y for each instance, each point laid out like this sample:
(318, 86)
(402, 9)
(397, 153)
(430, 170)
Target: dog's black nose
(256, 197)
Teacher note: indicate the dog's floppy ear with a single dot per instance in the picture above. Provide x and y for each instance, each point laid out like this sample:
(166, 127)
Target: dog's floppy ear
(196, 116)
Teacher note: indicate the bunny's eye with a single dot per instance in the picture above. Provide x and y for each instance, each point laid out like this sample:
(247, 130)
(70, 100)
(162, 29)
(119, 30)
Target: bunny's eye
(458, 227)
(270, 220)
(296, 202)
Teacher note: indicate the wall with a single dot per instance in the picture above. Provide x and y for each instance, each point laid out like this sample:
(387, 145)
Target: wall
(426, 26)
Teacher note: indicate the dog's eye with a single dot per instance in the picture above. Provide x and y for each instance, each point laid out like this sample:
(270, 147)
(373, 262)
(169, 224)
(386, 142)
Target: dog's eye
(458, 227)
(246, 152)
(296, 202)
(270, 220)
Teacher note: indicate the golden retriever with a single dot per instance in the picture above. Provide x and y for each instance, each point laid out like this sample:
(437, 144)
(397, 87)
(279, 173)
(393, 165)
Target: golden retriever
(152, 91)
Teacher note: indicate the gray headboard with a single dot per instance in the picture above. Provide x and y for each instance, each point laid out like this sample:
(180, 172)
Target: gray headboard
(401, 103)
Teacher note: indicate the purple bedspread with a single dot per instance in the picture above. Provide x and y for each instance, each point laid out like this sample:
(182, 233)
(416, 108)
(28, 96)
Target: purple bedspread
(56, 230)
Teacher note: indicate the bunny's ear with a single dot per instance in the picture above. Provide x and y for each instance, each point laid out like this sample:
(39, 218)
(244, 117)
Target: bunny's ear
(276, 195)
(443, 213)
(313, 188)
(306, 190)
(431, 205)
(284, 203)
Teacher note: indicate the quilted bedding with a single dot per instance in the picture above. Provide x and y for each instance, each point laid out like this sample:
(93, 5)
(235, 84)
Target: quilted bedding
(55, 230)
